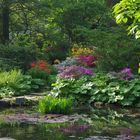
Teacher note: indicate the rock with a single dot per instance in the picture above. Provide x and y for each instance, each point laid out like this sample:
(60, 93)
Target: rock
(20, 101)
(38, 118)
(27, 100)
(4, 103)
(51, 116)
(98, 104)
(72, 136)
(6, 138)
(119, 137)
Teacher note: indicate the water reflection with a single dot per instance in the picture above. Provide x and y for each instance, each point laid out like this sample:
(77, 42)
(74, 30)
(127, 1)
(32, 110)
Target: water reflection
(96, 124)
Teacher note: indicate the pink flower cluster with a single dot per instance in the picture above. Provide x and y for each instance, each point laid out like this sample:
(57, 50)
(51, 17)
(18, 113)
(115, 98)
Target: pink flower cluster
(126, 74)
(73, 71)
(88, 60)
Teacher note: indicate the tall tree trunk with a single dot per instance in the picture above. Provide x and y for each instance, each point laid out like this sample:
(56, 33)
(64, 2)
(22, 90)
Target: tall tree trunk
(0, 25)
(5, 21)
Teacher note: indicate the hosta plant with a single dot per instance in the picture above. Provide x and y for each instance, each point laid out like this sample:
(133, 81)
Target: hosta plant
(99, 88)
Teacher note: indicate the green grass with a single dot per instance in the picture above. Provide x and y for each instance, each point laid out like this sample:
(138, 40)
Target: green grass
(54, 105)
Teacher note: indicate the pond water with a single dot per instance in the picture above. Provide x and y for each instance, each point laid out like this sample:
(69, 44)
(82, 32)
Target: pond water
(96, 124)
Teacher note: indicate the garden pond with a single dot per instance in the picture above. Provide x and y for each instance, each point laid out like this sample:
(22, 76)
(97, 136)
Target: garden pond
(86, 124)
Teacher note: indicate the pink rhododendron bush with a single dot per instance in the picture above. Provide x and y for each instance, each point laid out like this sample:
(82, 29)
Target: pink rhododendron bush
(80, 63)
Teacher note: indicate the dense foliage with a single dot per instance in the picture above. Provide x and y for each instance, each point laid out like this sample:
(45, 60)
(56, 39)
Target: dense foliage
(14, 83)
(70, 43)
(105, 88)
(128, 11)
(52, 27)
(15, 56)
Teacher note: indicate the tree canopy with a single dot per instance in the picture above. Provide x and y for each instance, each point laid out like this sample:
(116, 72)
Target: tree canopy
(128, 11)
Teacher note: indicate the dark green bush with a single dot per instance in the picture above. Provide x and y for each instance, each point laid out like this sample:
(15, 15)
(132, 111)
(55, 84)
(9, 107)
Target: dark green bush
(115, 50)
(37, 73)
(55, 51)
(12, 56)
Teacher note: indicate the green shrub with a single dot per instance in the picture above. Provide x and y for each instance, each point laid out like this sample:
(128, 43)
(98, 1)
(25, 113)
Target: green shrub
(41, 75)
(6, 92)
(14, 83)
(99, 88)
(51, 104)
(9, 82)
(80, 89)
(29, 84)
(12, 56)
(116, 50)
(37, 85)
(55, 46)
(11, 78)
(8, 64)
(37, 73)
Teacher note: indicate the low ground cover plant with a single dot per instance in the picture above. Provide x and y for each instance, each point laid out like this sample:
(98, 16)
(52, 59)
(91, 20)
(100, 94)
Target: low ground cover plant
(100, 87)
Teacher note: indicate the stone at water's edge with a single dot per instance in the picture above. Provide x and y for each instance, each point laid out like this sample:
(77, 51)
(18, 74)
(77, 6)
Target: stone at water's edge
(119, 137)
(39, 118)
(21, 100)
(7, 139)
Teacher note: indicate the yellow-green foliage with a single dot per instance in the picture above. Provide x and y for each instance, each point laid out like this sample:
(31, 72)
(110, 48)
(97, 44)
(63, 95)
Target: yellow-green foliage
(51, 104)
(10, 78)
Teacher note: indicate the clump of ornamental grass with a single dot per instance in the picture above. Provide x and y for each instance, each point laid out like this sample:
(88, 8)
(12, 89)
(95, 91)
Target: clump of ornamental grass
(50, 104)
